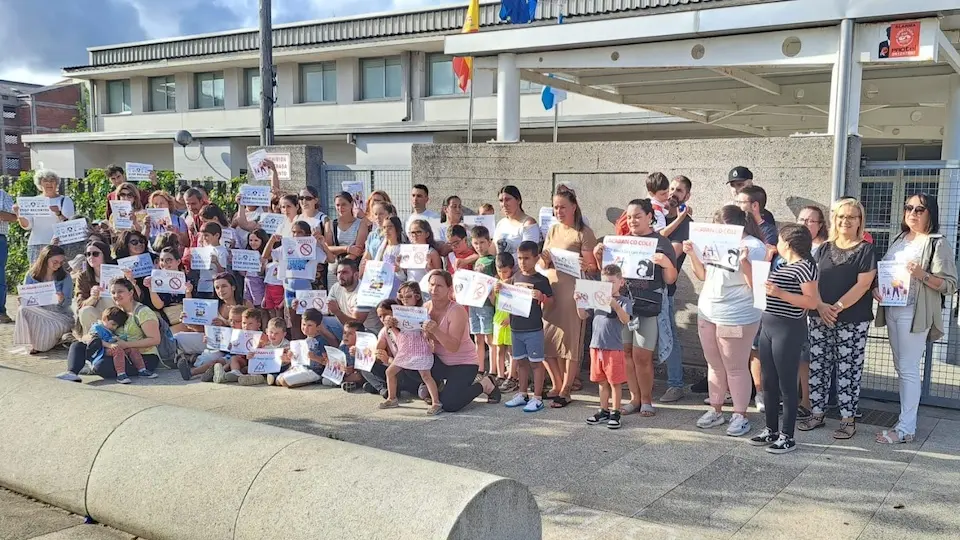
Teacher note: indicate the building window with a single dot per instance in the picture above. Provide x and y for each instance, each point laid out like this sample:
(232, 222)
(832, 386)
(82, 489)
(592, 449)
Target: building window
(163, 93)
(209, 88)
(251, 87)
(318, 82)
(10, 138)
(527, 86)
(441, 80)
(12, 163)
(10, 113)
(380, 78)
(118, 96)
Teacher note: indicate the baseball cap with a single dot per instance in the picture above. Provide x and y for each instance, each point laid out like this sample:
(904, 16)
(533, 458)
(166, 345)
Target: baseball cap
(739, 173)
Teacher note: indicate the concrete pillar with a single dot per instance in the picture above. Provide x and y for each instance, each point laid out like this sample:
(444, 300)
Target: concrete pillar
(948, 199)
(844, 115)
(306, 164)
(951, 129)
(508, 98)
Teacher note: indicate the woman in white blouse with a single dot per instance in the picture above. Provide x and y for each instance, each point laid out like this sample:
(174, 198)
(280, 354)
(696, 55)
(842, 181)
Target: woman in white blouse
(516, 226)
(42, 227)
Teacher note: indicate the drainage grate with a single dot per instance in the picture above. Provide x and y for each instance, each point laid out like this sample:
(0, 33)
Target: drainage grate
(872, 417)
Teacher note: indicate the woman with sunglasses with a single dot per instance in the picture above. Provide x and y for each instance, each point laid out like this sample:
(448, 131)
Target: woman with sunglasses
(42, 327)
(133, 244)
(41, 227)
(129, 193)
(90, 300)
(346, 235)
(926, 255)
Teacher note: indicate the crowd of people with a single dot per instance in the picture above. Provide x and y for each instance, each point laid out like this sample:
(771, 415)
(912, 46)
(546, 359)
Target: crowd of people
(785, 357)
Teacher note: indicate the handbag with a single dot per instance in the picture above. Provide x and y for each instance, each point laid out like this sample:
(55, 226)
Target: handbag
(647, 303)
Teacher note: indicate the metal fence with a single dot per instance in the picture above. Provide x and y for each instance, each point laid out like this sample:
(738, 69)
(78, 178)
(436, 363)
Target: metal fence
(883, 190)
(395, 182)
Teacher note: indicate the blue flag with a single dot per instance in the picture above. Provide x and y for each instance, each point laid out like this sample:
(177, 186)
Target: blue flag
(518, 11)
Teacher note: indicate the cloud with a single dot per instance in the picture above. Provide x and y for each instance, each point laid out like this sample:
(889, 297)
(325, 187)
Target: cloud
(42, 36)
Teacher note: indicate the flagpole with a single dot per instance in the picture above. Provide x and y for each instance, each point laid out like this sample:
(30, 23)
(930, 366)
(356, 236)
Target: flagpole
(556, 120)
(470, 113)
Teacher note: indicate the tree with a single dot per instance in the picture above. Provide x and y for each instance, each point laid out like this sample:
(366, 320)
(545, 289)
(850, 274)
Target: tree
(79, 122)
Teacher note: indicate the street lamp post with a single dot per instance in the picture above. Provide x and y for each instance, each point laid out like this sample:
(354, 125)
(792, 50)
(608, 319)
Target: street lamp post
(266, 74)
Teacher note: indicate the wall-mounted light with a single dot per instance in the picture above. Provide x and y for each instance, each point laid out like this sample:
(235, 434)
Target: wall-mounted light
(184, 138)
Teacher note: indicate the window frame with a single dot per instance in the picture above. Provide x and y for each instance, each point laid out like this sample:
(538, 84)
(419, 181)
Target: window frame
(431, 59)
(322, 70)
(249, 91)
(384, 61)
(151, 102)
(197, 93)
(126, 96)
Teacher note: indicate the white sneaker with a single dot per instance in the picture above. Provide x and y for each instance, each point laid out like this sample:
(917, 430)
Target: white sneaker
(727, 399)
(739, 425)
(69, 376)
(533, 405)
(759, 401)
(710, 419)
(518, 400)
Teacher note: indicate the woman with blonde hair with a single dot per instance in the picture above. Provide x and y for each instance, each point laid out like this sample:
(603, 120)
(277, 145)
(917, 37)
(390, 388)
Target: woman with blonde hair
(377, 197)
(176, 224)
(838, 328)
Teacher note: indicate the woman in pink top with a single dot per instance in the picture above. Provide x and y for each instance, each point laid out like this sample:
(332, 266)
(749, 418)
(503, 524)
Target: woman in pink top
(448, 328)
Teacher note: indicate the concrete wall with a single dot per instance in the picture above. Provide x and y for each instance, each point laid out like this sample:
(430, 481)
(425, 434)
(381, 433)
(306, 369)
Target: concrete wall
(794, 171)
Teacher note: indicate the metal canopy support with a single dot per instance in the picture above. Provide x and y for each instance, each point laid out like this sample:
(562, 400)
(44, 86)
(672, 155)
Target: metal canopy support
(947, 52)
(749, 79)
(840, 108)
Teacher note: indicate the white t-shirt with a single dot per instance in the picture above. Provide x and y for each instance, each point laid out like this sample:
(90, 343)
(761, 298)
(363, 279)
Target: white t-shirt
(425, 215)
(508, 235)
(347, 301)
(42, 227)
(726, 298)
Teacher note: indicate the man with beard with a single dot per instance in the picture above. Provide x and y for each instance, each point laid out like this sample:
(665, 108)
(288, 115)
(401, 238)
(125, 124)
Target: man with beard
(679, 216)
(343, 302)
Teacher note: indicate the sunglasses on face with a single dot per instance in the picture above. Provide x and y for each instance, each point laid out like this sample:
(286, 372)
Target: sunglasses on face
(93, 254)
(909, 208)
(308, 198)
(135, 242)
(127, 195)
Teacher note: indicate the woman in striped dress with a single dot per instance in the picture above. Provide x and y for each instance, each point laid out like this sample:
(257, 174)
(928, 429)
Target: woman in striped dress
(42, 327)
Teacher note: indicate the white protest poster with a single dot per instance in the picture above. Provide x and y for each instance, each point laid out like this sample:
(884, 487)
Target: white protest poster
(309, 299)
(140, 265)
(108, 272)
(760, 271)
(472, 288)
(376, 284)
(71, 232)
(265, 361)
(632, 254)
(122, 215)
(413, 255)
(271, 276)
(168, 281)
(486, 221)
(38, 294)
(199, 311)
(893, 280)
(717, 244)
(228, 237)
(357, 190)
(246, 260)
(251, 195)
(546, 220)
(366, 351)
(300, 353)
(566, 261)
(218, 337)
(591, 294)
(34, 206)
(201, 258)
(298, 269)
(159, 220)
(301, 247)
(515, 300)
(271, 223)
(281, 160)
(336, 364)
(244, 341)
(138, 172)
(410, 318)
(257, 168)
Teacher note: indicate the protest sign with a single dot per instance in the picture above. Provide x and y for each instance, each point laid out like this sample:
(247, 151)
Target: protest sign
(201, 258)
(546, 220)
(591, 294)
(199, 311)
(140, 265)
(246, 260)
(257, 168)
(251, 195)
(336, 364)
(566, 261)
(366, 352)
(893, 280)
(472, 288)
(138, 172)
(108, 272)
(168, 281)
(71, 232)
(218, 337)
(716, 244)
(298, 269)
(632, 254)
(271, 223)
(300, 353)
(410, 318)
(357, 190)
(122, 215)
(34, 206)
(760, 271)
(413, 255)
(376, 284)
(244, 341)
(263, 361)
(38, 294)
(310, 299)
(301, 247)
(486, 221)
(515, 300)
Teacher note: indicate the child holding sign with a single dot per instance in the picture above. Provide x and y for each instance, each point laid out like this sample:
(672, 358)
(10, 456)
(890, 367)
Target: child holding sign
(251, 319)
(274, 338)
(351, 377)
(527, 332)
(502, 338)
(169, 305)
(414, 351)
(607, 364)
(481, 318)
(253, 284)
(311, 324)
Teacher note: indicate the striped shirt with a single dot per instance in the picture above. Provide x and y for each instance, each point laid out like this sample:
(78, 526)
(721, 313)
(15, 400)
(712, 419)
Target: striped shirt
(6, 205)
(789, 277)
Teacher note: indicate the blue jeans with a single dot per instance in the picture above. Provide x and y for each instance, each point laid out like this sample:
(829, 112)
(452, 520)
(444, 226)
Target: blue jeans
(675, 360)
(335, 327)
(3, 274)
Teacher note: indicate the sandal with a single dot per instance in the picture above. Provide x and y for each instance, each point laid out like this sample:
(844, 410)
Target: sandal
(893, 436)
(803, 413)
(846, 431)
(435, 410)
(647, 410)
(389, 404)
(577, 385)
(560, 402)
(812, 423)
(495, 395)
(629, 408)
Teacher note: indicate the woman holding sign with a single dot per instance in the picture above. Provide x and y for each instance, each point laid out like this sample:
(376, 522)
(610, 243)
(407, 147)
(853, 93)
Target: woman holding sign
(154, 225)
(572, 242)
(126, 193)
(133, 244)
(516, 226)
(91, 300)
(41, 224)
(346, 234)
(41, 326)
(926, 256)
(640, 336)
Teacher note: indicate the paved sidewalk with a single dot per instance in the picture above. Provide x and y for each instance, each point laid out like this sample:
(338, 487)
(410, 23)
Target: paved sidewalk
(22, 518)
(656, 478)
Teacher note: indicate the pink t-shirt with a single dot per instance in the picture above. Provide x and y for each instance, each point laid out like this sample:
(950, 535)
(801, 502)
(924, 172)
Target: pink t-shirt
(466, 354)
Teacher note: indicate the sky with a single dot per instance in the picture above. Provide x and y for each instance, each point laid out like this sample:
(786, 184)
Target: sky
(43, 36)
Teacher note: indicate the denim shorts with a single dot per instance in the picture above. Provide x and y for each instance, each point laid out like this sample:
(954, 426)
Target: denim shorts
(481, 320)
(528, 346)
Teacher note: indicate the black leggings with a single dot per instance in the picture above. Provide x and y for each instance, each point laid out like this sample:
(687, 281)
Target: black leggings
(781, 341)
(78, 356)
(459, 389)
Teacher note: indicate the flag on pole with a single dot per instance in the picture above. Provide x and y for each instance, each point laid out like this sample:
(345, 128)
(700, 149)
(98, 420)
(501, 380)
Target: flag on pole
(551, 96)
(518, 11)
(463, 65)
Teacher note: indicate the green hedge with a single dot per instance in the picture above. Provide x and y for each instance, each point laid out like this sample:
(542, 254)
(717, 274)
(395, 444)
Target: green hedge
(89, 196)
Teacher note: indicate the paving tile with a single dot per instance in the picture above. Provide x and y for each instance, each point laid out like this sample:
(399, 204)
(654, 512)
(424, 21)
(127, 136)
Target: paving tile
(22, 518)
(932, 472)
(946, 434)
(909, 514)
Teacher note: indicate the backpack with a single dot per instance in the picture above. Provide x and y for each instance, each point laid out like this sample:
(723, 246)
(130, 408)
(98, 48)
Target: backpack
(167, 348)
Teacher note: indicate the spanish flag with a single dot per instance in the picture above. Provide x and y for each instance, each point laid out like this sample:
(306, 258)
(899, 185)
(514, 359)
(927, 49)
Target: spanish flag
(463, 65)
